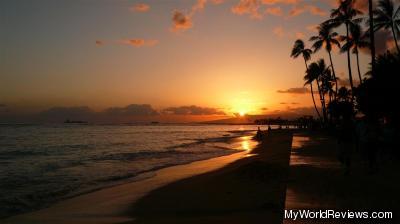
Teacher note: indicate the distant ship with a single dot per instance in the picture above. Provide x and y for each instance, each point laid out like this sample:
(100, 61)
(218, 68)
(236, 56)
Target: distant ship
(68, 121)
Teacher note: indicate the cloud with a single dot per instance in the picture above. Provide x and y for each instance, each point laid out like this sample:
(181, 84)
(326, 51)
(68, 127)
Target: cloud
(273, 2)
(248, 7)
(279, 31)
(253, 7)
(62, 113)
(312, 9)
(193, 110)
(200, 4)
(217, 2)
(384, 41)
(275, 11)
(140, 7)
(181, 21)
(132, 110)
(99, 43)
(300, 90)
(295, 11)
(139, 42)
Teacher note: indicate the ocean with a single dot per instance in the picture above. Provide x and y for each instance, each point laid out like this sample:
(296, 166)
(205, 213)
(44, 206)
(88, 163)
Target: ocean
(43, 164)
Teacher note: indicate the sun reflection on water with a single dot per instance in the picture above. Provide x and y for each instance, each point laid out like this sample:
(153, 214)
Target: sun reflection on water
(246, 143)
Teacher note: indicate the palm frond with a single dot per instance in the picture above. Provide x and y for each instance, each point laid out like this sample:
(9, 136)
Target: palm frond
(317, 45)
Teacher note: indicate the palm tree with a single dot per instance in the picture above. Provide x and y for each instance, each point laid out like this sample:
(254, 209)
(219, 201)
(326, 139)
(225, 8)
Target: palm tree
(344, 95)
(315, 72)
(388, 18)
(327, 83)
(299, 49)
(345, 14)
(371, 35)
(328, 38)
(355, 41)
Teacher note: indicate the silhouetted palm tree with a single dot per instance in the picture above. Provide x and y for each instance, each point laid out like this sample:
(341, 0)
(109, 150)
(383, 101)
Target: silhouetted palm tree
(345, 14)
(315, 72)
(385, 16)
(299, 49)
(328, 38)
(355, 41)
(327, 83)
(344, 95)
(371, 35)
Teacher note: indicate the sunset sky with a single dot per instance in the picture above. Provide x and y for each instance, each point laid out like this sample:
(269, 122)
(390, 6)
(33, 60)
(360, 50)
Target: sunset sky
(223, 56)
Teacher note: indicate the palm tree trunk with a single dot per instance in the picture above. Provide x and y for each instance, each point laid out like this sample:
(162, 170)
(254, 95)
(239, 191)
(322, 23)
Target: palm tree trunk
(349, 65)
(334, 74)
(312, 94)
(313, 99)
(358, 67)
(321, 97)
(395, 39)
(371, 36)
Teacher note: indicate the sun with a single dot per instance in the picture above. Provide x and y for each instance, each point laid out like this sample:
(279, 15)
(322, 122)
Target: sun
(242, 113)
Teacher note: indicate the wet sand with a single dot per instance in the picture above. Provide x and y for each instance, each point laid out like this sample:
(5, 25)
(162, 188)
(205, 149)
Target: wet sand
(240, 187)
(110, 205)
(250, 190)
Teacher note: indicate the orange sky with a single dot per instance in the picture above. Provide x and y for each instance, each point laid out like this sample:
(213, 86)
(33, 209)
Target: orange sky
(230, 55)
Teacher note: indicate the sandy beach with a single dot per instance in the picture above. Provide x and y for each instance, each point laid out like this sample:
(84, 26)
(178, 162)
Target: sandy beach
(242, 186)
(317, 181)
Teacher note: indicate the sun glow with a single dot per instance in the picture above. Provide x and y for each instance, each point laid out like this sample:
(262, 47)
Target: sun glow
(242, 113)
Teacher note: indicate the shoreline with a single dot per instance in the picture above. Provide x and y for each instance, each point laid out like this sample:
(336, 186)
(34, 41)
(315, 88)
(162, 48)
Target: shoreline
(224, 145)
(64, 210)
(114, 204)
(249, 190)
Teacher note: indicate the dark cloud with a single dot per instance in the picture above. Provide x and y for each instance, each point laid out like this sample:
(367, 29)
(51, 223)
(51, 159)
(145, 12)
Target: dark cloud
(193, 110)
(99, 43)
(62, 113)
(84, 113)
(132, 110)
(3, 108)
(180, 21)
(300, 90)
